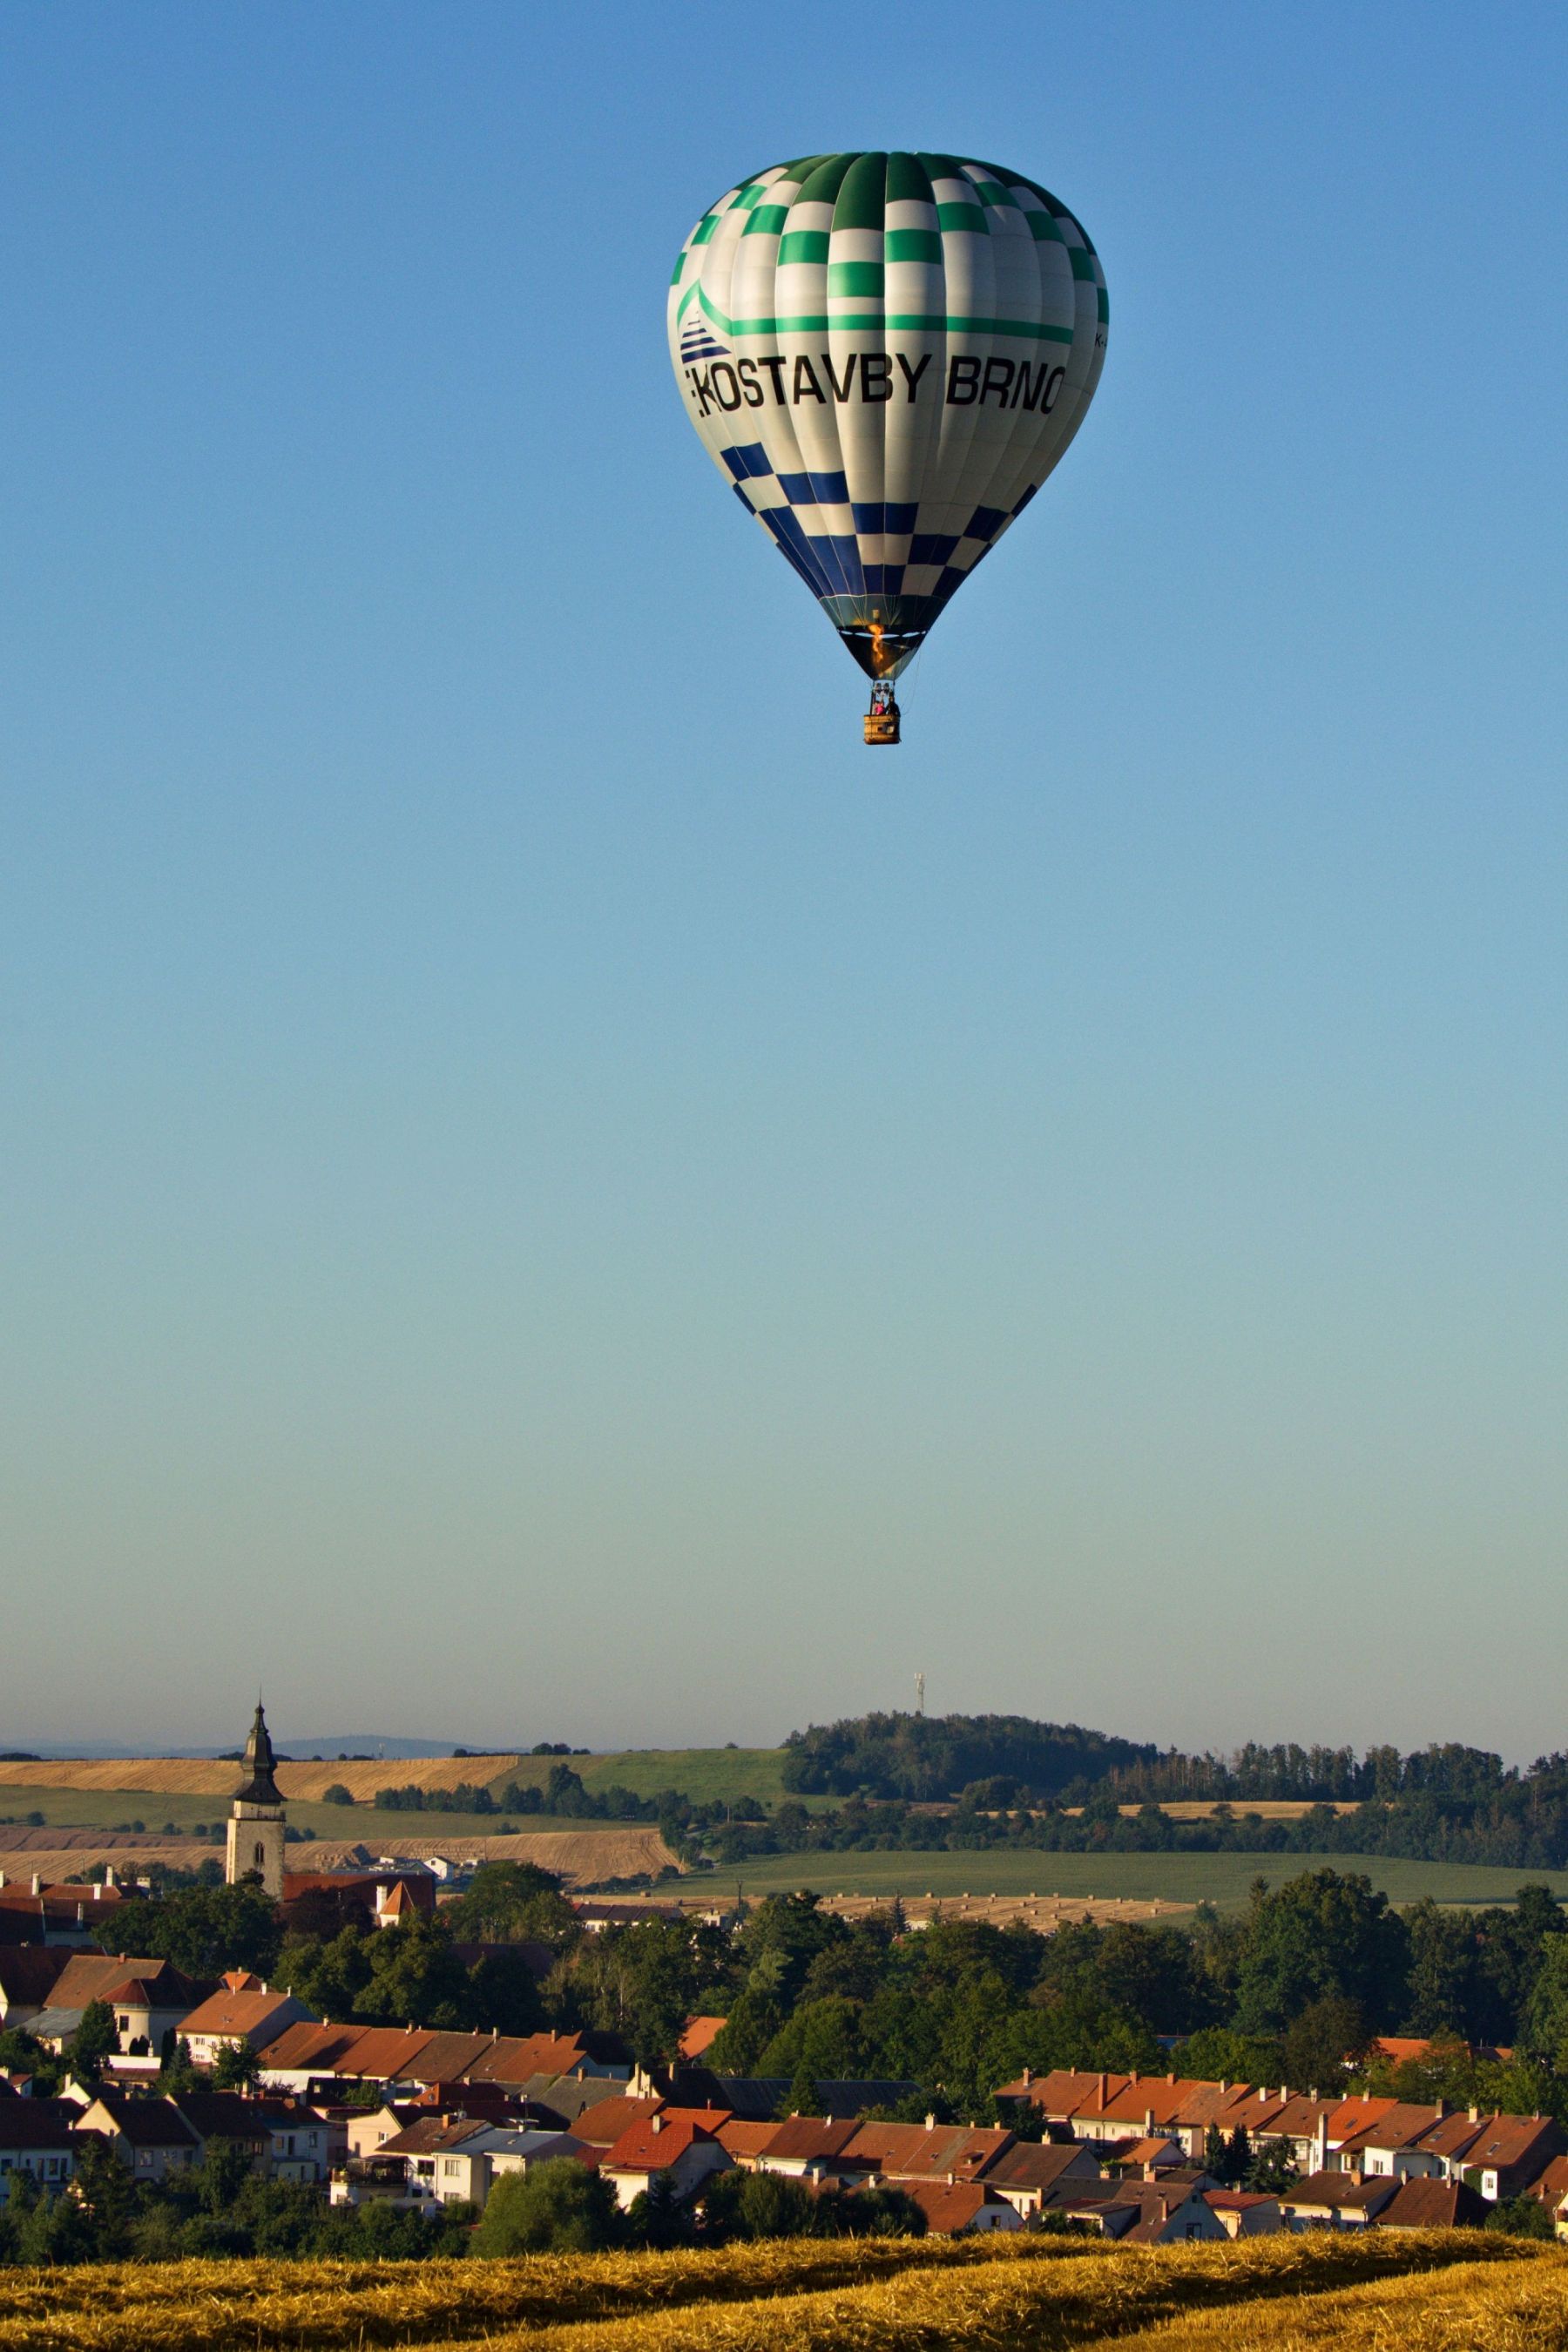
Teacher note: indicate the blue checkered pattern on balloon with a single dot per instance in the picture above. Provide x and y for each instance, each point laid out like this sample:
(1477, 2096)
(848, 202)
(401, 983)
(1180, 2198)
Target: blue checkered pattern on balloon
(832, 562)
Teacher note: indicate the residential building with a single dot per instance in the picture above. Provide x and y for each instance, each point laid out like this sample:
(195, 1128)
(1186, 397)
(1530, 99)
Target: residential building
(1244, 2212)
(149, 2137)
(961, 2209)
(677, 2152)
(36, 2137)
(1428, 2204)
(1335, 2201)
(1028, 2173)
(1510, 2152)
(230, 2017)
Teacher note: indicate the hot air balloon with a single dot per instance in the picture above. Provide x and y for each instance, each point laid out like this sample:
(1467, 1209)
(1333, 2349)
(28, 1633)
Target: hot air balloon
(885, 355)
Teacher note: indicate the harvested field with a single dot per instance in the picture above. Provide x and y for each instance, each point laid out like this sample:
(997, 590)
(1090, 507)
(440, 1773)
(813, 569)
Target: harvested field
(579, 1857)
(203, 1776)
(816, 2296)
(1044, 1913)
(582, 1856)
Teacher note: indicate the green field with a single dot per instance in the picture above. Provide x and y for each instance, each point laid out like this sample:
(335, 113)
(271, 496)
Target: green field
(1222, 1879)
(368, 1825)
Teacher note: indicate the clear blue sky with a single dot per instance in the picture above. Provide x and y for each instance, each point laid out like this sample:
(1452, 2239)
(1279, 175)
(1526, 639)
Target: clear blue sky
(547, 1192)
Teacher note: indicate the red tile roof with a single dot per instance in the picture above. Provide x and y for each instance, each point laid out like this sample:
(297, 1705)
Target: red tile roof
(653, 2145)
(950, 2208)
(607, 2120)
(802, 2139)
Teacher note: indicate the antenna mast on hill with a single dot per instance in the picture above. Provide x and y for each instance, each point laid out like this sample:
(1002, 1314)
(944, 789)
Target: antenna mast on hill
(919, 1693)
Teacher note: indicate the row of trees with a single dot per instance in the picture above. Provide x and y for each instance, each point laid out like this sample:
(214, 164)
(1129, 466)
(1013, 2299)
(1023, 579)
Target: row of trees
(1310, 1971)
(1505, 1831)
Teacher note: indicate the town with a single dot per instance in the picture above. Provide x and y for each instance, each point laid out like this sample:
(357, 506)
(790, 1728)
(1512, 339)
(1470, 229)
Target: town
(297, 2061)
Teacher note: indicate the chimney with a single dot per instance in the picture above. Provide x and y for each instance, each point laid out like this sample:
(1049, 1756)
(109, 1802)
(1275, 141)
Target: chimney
(656, 2123)
(930, 2123)
(37, 1886)
(1472, 2114)
(1029, 2070)
(97, 1892)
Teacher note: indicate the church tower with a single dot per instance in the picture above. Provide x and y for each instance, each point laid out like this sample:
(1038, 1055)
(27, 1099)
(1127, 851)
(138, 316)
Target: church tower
(257, 1820)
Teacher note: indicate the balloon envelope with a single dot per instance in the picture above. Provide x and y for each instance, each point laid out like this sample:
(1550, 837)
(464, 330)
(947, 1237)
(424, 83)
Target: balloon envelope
(885, 355)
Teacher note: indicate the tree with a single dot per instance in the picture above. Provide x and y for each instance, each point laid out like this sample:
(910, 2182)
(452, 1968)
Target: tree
(222, 2173)
(95, 2039)
(771, 2206)
(803, 2098)
(1441, 1991)
(106, 2195)
(415, 1977)
(554, 2207)
(503, 1994)
(237, 2067)
(657, 2219)
(1323, 2042)
(1322, 1934)
(179, 2071)
(202, 1930)
(508, 1901)
(1520, 2217)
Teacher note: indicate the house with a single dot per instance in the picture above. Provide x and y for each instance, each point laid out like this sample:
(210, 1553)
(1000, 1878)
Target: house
(521, 2150)
(1335, 2201)
(223, 2114)
(699, 2035)
(230, 2017)
(1510, 2152)
(36, 1914)
(431, 2161)
(1162, 2153)
(28, 1975)
(601, 2122)
(149, 2137)
(745, 2143)
(1167, 2213)
(1550, 2190)
(1026, 2174)
(36, 2136)
(47, 1990)
(1427, 2204)
(961, 2209)
(1245, 2213)
(928, 2151)
(666, 2147)
(369, 2129)
(1140, 2213)
(1391, 2149)
(299, 2140)
(809, 2148)
(306, 2053)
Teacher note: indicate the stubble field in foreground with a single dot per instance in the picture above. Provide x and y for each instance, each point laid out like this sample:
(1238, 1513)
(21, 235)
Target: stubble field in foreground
(1427, 2292)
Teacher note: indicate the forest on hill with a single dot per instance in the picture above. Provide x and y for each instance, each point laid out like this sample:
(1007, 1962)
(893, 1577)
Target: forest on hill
(1005, 1780)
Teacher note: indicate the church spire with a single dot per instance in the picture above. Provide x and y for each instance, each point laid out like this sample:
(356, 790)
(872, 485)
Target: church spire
(260, 1788)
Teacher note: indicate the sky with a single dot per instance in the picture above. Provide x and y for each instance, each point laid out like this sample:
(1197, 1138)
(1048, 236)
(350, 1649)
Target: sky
(547, 1194)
